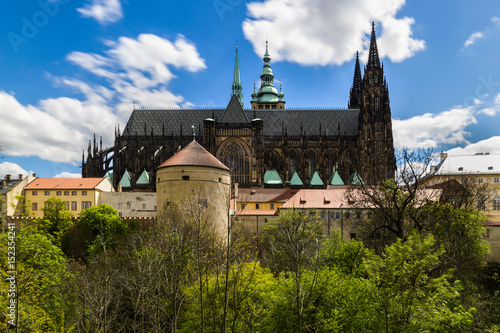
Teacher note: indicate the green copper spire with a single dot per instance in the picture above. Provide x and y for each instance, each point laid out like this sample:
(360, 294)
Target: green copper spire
(316, 180)
(237, 87)
(267, 92)
(336, 180)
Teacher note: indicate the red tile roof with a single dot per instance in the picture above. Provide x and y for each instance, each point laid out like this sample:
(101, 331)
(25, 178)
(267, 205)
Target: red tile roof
(64, 183)
(265, 194)
(260, 212)
(194, 154)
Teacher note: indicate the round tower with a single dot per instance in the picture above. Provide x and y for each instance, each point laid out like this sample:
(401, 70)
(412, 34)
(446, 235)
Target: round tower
(195, 179)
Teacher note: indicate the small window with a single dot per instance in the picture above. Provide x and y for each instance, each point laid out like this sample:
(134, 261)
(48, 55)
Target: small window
(337, 216)
(332, 216)
(120, 214)
(460, 169)
(47, 193)
(496, 180)
(257, 206)
(265, 220)
(490, 168)
(73, 205)
(185, 177)
(66, 192)
(158, 179)
(358, 215)
(58, 193)
(480, 180)
(272, 206)
(86, 204)
(220, 180)
(243, 206)
(66, 205)
(120, 206)
(34, 206)
(155, 208)
(353, 235)
(73, 192)
(84, 192)
(496, 203)
(323, 215)
(486, 233)
(128, 205)
(143, 206)
(348, 215)
(34, 193)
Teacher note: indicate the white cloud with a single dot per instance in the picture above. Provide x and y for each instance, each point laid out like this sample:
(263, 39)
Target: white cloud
(431, 130)
(68, 175)
(473, 38)
(136, 69)
(104, 11)
(8, 168)
(320, 32)
(491, 145)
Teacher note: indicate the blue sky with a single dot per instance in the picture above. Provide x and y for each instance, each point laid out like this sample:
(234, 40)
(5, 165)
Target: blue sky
(72, 68)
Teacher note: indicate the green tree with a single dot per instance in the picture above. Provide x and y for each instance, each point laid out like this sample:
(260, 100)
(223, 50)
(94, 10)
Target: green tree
(293, 241)
(104, 226)
(56, 221)
(406, 297)
(41, 268)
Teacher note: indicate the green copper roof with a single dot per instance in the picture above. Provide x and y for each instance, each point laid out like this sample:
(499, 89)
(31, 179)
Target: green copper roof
(356, 179)
(126, 180)
(237, 88)
(109, 176)
(316, 180)
(336, 180)
(271, 177)
(296, 181)
(143, 179)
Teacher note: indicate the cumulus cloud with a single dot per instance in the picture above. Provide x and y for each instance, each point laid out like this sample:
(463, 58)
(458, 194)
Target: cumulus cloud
(104, 11)
(321, 32)
(473, 38)
(8, 168)
(138, 70)
(68, 175)
(491, 145)
(431, 130)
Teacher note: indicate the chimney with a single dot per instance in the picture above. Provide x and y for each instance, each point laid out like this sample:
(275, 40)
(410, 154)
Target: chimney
(20, 176)
(7, 178)
(34, 175)
(443, 156)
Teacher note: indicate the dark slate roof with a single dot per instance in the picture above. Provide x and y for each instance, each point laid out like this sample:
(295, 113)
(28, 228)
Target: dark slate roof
(234, 112)
(333, 121)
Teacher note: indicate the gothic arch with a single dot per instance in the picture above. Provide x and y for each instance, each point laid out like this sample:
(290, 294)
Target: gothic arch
(294, 161)
(273, 160)
(311, 162)
(235, 154)
(330, 160)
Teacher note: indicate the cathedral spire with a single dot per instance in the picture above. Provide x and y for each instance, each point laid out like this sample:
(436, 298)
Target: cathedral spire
(267, 97)
(237, 88)
(373, 59)
(354, 98)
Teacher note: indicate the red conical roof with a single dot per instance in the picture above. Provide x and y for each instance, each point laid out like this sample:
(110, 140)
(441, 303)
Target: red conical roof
(194, 154)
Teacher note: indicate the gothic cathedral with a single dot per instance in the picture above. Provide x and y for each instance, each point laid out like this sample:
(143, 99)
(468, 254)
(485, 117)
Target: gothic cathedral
(266, 145)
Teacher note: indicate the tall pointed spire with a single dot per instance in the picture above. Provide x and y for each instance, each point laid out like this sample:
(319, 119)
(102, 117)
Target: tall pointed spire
(373, 59)
(355, 96)
(237, 88)
(267, 97)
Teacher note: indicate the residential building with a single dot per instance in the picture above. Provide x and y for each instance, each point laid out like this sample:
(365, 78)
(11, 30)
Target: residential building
(78, 193)
(11, 190)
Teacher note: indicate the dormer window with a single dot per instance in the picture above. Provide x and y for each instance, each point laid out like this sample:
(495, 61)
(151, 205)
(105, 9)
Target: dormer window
(460, 169)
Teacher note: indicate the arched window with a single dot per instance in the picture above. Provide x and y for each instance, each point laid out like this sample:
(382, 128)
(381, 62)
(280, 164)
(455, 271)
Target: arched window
(311, 163)
(272, 161)
(331, 162)
(293, 162)
(237, 159)
(496, 203)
